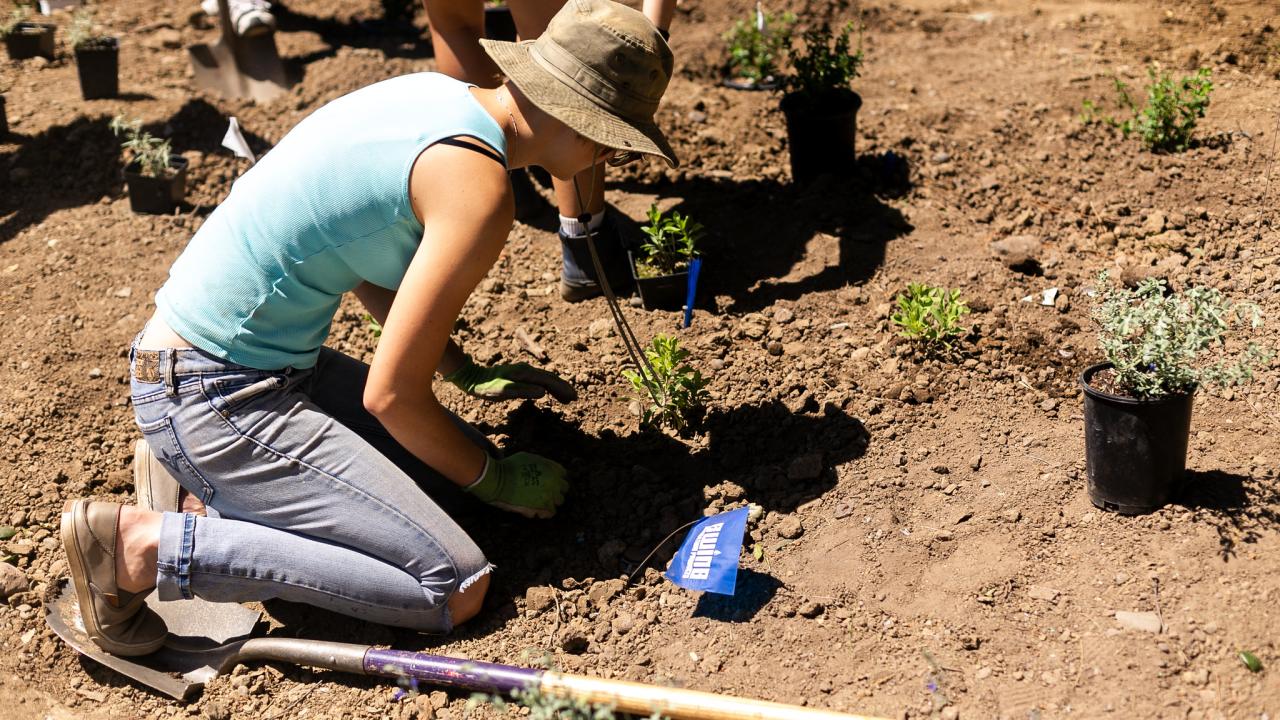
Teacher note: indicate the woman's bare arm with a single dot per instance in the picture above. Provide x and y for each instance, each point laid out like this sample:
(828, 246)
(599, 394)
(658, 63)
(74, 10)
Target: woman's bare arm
(377, 300)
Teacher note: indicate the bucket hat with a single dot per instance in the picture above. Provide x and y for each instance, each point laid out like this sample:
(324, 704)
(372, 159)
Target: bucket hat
(599, 68)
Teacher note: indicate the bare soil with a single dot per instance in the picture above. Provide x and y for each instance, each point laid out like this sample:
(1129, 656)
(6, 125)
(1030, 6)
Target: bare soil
(929, 549)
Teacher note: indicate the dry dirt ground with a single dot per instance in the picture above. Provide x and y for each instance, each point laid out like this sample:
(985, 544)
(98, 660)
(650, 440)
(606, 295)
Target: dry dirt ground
(928, 547)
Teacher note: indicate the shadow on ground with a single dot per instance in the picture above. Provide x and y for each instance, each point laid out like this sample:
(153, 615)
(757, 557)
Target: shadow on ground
(1239, 508)
(769, 241)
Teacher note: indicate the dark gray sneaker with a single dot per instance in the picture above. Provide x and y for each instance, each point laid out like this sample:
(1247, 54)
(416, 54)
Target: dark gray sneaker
(578, 279)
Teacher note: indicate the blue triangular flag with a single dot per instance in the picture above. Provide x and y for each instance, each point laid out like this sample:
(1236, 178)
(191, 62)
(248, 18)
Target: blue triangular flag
(708, 557)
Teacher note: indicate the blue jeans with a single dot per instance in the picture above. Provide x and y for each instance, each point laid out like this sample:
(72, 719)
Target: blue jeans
(307, 494)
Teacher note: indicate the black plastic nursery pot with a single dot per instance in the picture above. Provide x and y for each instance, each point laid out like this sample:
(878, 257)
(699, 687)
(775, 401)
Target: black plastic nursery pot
(1135, 450)
(156, 195)
(821, 132)
(29, 39)
(98, 62)
(664, 292)
(498, 23)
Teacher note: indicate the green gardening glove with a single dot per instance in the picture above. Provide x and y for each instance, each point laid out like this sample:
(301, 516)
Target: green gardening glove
(509, 382)
(522, 483)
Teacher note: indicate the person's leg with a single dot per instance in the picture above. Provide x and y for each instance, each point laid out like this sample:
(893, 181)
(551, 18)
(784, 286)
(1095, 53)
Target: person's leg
(456, 29)
(336, 386)
(303, 508)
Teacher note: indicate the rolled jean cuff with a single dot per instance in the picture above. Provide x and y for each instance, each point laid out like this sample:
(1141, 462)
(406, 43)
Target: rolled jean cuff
(173, 556)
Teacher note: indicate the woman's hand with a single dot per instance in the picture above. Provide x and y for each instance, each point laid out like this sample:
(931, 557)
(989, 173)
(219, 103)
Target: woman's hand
(510, 382)
(523, 483)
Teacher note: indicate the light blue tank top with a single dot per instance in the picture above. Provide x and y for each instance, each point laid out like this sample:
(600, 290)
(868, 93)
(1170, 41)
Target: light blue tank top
(325, 210)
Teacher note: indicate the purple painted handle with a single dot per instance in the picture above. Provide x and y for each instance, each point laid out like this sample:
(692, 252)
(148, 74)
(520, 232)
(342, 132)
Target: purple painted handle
(451, 672)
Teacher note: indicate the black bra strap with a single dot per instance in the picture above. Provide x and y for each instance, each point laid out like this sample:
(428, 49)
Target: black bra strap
(482, 149)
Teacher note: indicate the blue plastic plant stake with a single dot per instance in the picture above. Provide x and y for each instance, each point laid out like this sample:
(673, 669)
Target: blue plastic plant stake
(695, 265)
(708, 557)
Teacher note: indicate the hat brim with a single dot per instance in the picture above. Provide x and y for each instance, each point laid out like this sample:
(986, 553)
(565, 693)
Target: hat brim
(554, 97)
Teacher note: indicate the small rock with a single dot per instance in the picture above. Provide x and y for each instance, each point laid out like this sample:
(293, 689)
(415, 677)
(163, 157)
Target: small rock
(941, 157)
(1011, 516)
(790, 527)
(539, 598)
(601, 328)
(1171, 240)
(95, 373)
(1039, 592)
(1154, 224)
(811, 609)
(983, 673)
(12, 581)
(1140, 621)
(950, 712)
(783, 315)
(217, 710)
(1020, 253)
(602, 592)
(976, 462)
(1195, 677)
(123, 292)
(1049, 405)
(805, 467)
(623, 623)
(775, 348)
(941, 469)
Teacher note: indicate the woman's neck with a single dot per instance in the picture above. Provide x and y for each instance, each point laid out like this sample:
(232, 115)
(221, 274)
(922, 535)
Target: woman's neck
(504, 110)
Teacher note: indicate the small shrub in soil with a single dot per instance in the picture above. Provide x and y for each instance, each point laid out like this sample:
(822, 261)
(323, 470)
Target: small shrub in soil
(820, 108)
(676, 392)
(930, 316)
(661, 264)
(755, 47)
(25, 39)
(97, 59)
(1168, 121)
(156, 178)
(1160, 347)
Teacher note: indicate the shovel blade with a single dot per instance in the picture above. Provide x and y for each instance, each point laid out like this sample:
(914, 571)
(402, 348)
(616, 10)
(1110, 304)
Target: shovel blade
(241, 68)
(201, 635)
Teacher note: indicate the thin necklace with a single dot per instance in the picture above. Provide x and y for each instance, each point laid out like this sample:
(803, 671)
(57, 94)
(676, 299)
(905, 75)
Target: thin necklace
(515, 129)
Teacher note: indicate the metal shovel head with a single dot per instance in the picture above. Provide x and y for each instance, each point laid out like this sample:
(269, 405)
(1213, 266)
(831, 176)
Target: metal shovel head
(201, 635)
(240, 67)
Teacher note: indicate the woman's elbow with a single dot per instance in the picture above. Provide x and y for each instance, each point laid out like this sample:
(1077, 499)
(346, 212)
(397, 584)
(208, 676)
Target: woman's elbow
(381, 402)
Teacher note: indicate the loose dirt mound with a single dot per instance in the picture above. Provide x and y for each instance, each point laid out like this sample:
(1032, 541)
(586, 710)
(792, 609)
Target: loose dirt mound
(928, 542)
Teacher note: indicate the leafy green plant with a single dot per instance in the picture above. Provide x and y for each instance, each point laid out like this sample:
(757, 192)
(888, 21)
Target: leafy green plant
(151, 153)
(675, 391)
(80, 34)
(930, 316)
(1168, 120)
(19, 14)
(1159, 342)
(671, 241)
(827, 64)
(374, 327)
(756, 45)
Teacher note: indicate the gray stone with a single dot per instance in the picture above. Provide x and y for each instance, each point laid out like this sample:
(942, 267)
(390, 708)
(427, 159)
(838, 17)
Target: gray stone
(1140, 621)
(12, 581)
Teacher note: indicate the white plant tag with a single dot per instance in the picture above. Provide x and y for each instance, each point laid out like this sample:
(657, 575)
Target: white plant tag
(235, 142)
(759, 18)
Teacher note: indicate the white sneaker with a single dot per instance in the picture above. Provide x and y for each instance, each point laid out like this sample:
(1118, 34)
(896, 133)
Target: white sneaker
(248, 17)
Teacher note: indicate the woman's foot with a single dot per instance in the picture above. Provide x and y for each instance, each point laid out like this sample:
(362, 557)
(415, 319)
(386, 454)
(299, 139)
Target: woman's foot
(103, 574)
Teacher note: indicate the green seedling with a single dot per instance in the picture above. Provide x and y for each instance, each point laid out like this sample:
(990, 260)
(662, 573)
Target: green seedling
(1161, 342)
(675, 391)
(930, 316)
(151, 153)
(1168, 120)
(670, 243)
(1250, 660)
(756, 45)
(826, 65)
(81, 29)
(375, 327)
(18, 15)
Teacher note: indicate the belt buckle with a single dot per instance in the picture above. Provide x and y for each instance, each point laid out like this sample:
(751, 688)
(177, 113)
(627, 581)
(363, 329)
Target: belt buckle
(146, 366)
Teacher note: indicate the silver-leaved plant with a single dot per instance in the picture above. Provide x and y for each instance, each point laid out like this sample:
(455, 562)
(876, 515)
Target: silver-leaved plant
(1163, 343)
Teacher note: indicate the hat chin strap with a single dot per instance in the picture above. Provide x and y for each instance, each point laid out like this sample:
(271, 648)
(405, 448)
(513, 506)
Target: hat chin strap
(634, 349)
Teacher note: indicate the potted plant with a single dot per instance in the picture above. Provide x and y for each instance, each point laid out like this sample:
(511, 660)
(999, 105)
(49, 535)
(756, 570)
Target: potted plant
(97, 59)
(1160, 347)
(820, 108)
(25, 39)
(661, 269)
(755, 46)
(156, 178)
(498, 23)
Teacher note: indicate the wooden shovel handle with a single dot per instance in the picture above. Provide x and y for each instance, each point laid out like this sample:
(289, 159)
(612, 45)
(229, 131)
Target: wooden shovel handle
(678, 704)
